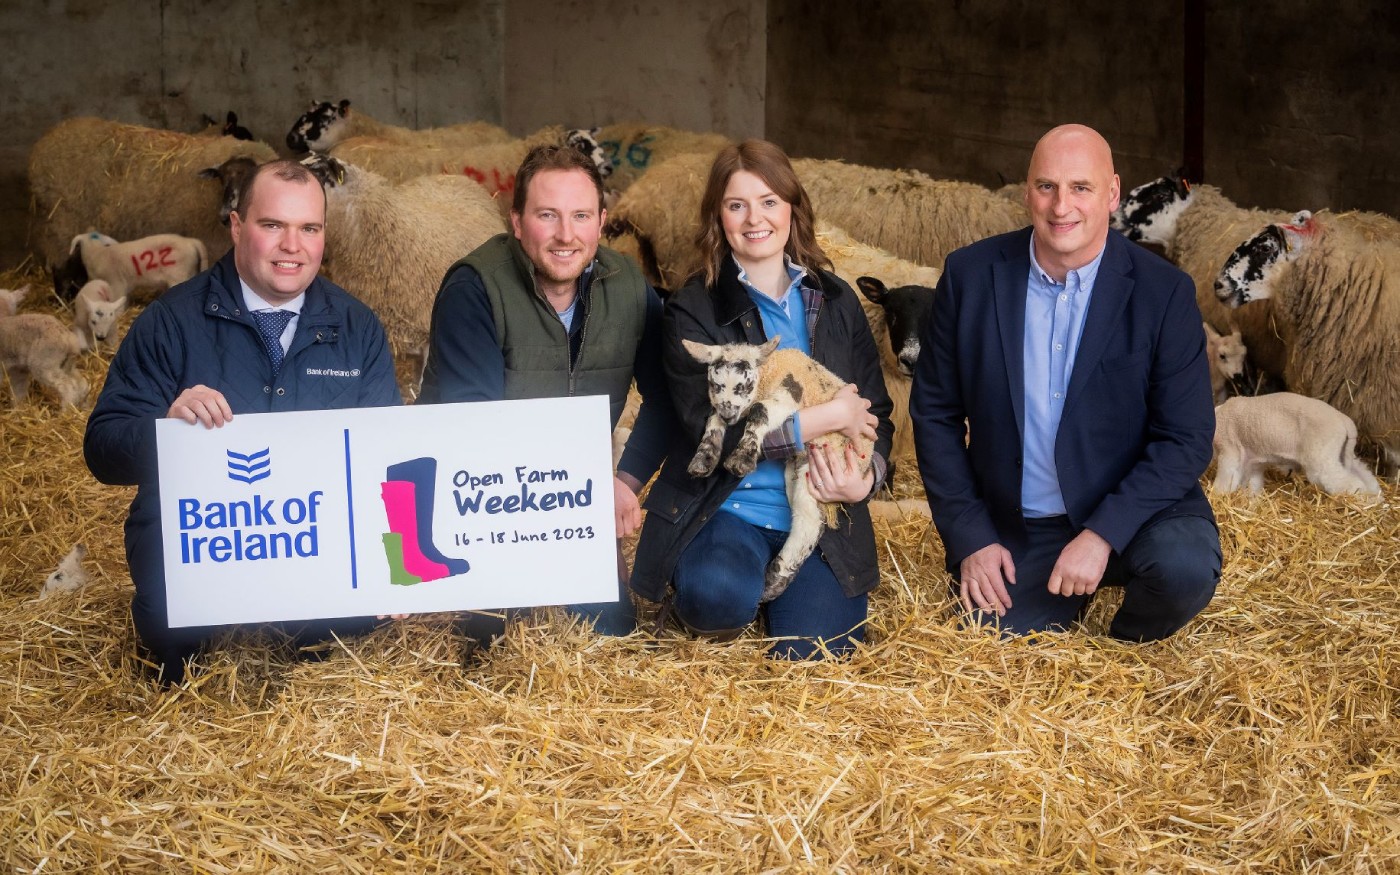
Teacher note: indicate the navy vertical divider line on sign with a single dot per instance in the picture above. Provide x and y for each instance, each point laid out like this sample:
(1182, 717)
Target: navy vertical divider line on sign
(350, 507)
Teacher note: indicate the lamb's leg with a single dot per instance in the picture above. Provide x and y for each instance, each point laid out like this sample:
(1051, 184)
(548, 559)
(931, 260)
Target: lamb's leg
(1229, 468)
(802, 539)
(763, 417)
(707, 454)
(19, 383)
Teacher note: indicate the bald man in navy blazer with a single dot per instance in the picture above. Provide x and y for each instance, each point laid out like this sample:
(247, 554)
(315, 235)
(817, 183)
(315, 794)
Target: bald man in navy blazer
(1063, 414)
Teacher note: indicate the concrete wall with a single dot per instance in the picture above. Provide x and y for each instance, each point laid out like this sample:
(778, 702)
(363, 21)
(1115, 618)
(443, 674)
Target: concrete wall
(1299, 99)
(581, 63)
(163, 65)
(963, 90)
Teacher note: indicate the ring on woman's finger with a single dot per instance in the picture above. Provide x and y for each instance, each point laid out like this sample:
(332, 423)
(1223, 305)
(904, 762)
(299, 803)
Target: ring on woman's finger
(817, 483)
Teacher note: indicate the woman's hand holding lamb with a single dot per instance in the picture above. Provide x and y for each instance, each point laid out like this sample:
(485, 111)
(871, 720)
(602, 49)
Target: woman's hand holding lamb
(837, 476)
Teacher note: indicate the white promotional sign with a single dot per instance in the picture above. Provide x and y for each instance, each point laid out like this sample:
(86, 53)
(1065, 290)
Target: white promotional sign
(391, 510)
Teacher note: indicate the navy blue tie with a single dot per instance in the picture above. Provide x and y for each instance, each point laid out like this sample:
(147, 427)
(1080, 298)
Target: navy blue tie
(271, 324)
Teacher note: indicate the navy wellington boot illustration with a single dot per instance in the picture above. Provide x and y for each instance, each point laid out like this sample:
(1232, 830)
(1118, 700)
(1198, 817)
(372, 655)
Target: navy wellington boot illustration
(422, 473)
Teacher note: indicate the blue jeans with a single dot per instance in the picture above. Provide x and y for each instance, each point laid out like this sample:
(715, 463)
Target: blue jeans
(719, 578)
(1168, 571)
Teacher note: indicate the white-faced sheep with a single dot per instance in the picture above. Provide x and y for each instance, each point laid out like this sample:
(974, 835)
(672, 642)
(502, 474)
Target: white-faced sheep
(129, 181)
(763, 387)
(326, 124)
(10, 300)
(633, 148)
(1199, 227)
(95, 313)
(69, 575)
(37, 346)
(149, 265)
(1334, 280)
(390, 245)
(1226, 354)
(490, 165)
(1291, 431)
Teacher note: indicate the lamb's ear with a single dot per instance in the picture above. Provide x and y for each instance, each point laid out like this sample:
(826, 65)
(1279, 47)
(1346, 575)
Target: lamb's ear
(699, 351)
(767, 349)
(1211, 333)
(872, 288)
(120, 303)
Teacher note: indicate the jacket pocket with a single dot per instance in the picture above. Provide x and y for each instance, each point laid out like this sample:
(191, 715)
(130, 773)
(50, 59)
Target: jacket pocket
(670, 502)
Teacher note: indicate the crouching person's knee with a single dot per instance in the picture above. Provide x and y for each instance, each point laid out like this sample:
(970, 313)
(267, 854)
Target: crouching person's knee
(1176, 568)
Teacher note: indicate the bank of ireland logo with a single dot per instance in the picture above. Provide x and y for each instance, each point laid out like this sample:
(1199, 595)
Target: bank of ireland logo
(407, 491)
(249, 468)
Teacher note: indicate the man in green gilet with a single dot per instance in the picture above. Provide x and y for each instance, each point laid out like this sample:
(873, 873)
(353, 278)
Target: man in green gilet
(543, 312)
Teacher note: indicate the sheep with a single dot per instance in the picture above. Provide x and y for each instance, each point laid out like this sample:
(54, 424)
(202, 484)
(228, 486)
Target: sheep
(1226, 354)
(906, 310)
(95, 313)
(1198, 227)
(228, 128)
(633, 148)
(129, 181)
(390, 245)
(492, 165)
(148, 265)
(1335, 283)
(1286, 429)
(325, 124)
(786, 380)
(903, 212)
(38, 346)
(10, 300)
(69, 575)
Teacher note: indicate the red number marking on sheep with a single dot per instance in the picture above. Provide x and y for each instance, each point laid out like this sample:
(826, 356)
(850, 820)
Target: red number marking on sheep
(150, 259)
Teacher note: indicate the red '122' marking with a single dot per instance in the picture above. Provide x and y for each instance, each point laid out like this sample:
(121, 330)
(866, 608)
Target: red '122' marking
(150, 259)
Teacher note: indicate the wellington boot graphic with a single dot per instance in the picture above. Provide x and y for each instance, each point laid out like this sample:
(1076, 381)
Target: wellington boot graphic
(422, 473)
(393, 551)
(403, 521)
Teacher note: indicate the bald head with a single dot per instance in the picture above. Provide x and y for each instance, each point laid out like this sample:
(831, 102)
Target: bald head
(1071, 190)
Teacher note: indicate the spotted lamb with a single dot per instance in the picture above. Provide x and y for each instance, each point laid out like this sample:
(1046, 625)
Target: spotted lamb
(763, 387)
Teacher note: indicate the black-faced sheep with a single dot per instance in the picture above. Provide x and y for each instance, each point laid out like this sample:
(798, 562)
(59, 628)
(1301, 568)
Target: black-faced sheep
(763, 386)
(1335, 284)
(1291, 431)
(1226, 354)
(326, 124)
(149, 265)
(129, 181)
(1199, 227)
(95, 313)
(37, 346)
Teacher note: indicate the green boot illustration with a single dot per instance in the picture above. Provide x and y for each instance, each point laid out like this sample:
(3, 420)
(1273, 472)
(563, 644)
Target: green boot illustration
(393, 548)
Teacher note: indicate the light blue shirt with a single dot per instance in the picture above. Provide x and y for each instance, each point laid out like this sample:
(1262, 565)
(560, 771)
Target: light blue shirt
(1054, 323)
(760, 499)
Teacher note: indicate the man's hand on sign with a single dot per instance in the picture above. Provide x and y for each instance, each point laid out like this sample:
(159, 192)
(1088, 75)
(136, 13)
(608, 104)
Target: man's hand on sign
(203, 405)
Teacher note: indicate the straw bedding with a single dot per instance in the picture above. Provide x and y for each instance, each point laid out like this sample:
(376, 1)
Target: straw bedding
(1261, 739)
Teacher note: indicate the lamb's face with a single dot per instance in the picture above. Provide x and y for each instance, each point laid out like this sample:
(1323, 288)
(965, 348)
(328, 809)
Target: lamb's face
(102, 317)
(1149, 212)
(733, 383)
(585, 140)
(319, 127)
(1250, 270)
(1229, 352)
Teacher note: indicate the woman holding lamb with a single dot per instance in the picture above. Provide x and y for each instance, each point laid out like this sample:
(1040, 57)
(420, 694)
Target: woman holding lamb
(711, 538)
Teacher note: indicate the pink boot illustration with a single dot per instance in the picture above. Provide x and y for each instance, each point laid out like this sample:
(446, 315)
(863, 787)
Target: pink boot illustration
(399, 504)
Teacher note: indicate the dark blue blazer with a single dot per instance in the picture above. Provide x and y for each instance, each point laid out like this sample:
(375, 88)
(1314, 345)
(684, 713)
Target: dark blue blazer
(1135, 435)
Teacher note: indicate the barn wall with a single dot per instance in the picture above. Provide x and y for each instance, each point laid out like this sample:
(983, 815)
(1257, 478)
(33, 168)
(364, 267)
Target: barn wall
(698, 66)
(1299, 101)
(963, 90)
(418, 64)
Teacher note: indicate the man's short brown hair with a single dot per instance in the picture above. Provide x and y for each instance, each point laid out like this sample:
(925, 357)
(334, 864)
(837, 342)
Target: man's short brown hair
(542, 158)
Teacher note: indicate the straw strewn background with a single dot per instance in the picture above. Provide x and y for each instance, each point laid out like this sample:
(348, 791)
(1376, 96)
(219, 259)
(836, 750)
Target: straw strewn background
(1261, 739)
